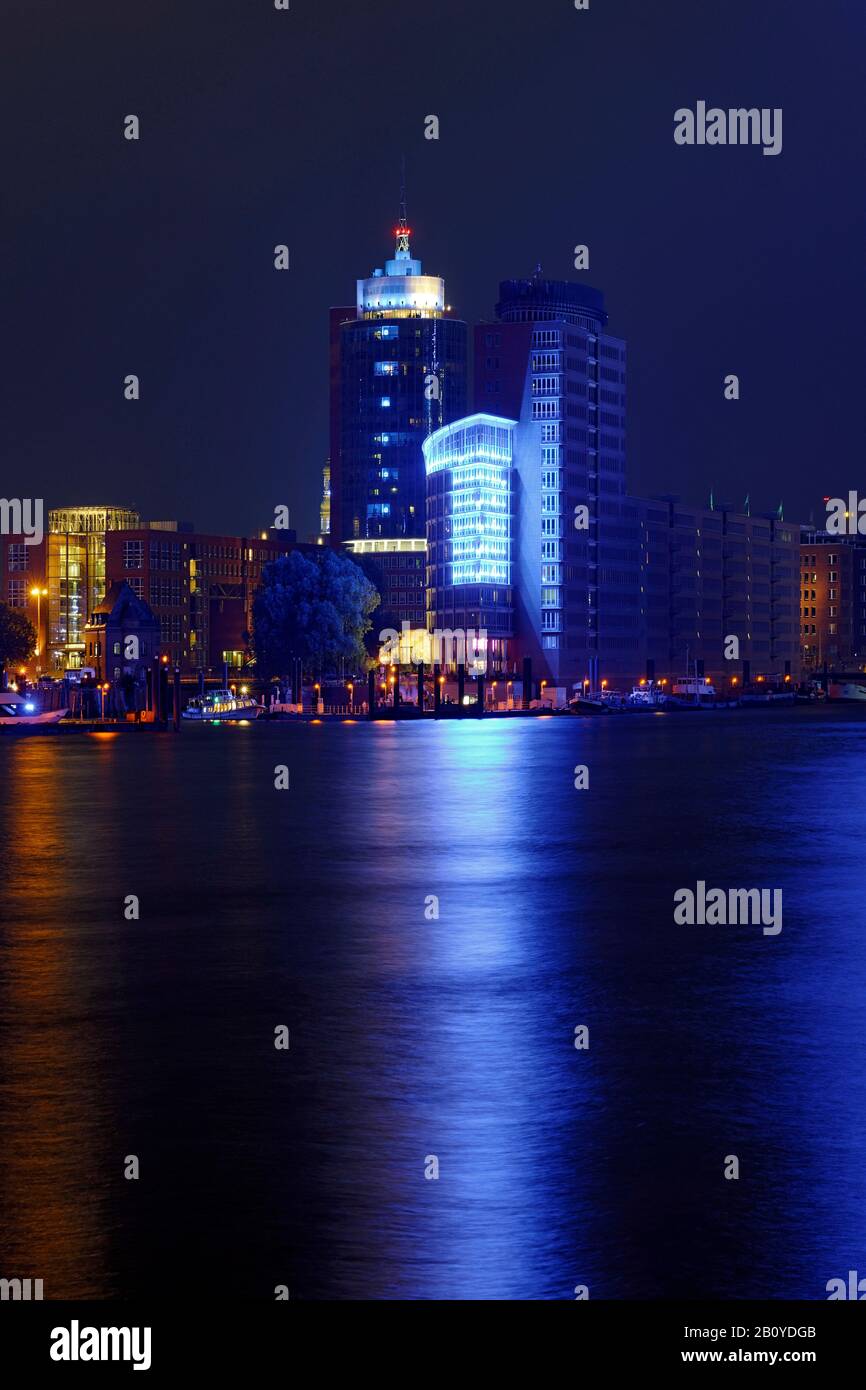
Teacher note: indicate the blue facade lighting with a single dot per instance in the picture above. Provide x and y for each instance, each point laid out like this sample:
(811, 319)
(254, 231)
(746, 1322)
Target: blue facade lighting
(469, 527)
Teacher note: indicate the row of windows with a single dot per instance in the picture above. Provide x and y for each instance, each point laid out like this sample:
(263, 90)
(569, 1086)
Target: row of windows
(165, 593)
(17, 557)
(164, 555)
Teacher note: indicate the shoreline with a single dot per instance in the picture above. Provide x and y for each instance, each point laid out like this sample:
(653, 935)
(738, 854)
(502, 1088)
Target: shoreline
(411, 716)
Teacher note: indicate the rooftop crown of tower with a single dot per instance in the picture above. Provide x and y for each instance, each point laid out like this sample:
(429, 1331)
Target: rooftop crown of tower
(538, 299)
(401, 290)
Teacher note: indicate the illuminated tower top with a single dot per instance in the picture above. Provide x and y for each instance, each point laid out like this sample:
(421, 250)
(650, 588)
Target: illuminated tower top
(401, 290)
(403, 231)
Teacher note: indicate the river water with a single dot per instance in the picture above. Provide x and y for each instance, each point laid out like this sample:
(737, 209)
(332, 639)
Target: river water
(427, 1033)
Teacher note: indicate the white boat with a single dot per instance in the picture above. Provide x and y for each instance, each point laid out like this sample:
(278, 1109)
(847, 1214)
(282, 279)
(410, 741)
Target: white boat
(221, 704)
(22, 711)
(649, 696)
(849, 690)
(697, 689)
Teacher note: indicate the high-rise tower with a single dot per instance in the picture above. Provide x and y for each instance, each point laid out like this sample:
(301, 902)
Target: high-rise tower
(398, 372)
(550, 364)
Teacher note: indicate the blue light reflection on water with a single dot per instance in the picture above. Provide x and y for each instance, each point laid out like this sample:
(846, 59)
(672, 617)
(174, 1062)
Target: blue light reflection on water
(450, 1036)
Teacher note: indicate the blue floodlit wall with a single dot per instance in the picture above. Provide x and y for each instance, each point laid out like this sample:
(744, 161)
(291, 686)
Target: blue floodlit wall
(470, 527)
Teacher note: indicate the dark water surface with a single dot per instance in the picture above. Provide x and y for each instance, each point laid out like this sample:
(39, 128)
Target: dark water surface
(451, 1037)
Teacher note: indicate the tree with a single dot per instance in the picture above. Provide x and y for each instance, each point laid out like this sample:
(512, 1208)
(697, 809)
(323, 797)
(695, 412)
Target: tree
(17, 637)
(313, 608)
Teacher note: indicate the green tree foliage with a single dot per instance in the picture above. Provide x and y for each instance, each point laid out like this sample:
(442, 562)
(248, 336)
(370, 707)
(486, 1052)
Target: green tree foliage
(315, 608)
(17, 637)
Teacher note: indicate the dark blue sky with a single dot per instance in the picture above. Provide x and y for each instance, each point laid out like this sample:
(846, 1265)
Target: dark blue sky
(261, 127)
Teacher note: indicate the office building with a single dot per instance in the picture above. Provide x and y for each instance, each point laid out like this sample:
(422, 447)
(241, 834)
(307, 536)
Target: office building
(76, 576)
(832, 601)
(398, 364)
(22, 586)
(470, 501)
(533, 535)
(549, 364)
(200, 587)
(397, 570)
(712, 574)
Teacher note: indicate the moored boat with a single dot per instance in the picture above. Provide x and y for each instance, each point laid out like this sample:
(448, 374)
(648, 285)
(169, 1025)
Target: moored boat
(694, 691)
(585, 704)
(650, 696)
(852, 691)
(768, 695)
(218, 705)
(22, 711)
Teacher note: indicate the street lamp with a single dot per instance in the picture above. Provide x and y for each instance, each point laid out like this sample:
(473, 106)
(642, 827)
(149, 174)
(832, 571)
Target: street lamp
(39, 595)
(103, 691)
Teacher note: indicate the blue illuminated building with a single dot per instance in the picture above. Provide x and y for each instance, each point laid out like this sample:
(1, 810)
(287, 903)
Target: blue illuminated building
(609, 587)
(398, 373)
(469, 529)
(549, 363)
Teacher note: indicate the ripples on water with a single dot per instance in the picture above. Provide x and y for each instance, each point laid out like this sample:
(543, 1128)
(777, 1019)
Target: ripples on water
(413, 1037)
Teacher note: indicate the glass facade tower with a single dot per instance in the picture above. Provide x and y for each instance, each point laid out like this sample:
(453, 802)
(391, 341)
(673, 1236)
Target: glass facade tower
(75, 573)
(550, 363)
(469, 530)
(399, 374)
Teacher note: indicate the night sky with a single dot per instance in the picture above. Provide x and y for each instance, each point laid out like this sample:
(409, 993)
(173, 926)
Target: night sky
(260, 127)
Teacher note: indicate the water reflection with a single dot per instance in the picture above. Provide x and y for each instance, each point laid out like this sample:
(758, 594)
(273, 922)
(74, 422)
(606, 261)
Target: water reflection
(432, 911)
